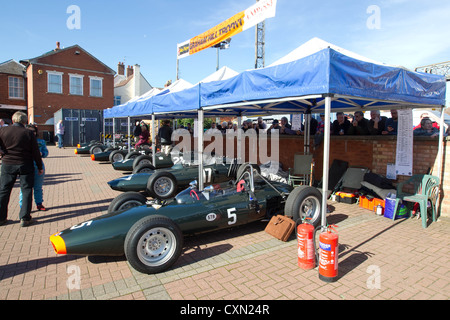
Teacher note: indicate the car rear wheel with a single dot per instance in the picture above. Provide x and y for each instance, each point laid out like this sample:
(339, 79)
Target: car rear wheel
(153, 244)
(132, 155)
(162, 185)
(142, 159)
(96, 149)
(126, 201)
(304, 202)
(144, 167)
(117, 155)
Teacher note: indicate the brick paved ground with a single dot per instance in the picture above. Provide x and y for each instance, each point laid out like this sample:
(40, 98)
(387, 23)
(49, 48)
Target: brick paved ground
(245, 263)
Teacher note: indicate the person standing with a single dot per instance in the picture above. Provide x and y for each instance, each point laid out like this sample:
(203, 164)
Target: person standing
(60, 133)
(38, 178)
(19, 151)
(165, 137)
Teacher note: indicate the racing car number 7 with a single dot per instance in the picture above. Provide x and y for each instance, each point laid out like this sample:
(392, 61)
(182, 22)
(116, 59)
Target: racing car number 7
(207, 173)
(232, 215)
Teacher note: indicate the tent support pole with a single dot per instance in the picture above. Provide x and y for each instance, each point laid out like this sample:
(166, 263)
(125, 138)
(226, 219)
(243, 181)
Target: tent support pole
(153, 141)
(326, 160)
(129, 133)
(200, 149)
(440, 157)
(239, 140)
(114, 133)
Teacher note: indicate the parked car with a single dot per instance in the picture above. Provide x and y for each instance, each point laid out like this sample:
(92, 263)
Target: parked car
(151, 236)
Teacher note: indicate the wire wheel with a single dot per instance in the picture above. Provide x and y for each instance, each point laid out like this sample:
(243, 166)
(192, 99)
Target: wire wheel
(163, 186)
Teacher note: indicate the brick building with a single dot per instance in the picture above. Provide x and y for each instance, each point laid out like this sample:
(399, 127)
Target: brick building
(68, 78)
(13, 93)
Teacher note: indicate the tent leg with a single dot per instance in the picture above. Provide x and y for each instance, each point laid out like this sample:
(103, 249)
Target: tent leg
(200, 149)
(129, 133)
(440, 157)
(153, 141)
(326, 160)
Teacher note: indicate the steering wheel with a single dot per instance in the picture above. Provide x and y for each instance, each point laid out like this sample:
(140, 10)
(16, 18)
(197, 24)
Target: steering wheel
(194, 194)
(240, 186)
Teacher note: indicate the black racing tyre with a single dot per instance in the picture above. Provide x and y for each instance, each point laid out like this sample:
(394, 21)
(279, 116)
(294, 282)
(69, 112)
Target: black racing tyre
(96, 149)
(162, 185)
(127, 200)
(132, 155)
(144, 167)
(117, 155)
(243, 167)
(153, 244)
(304, 201)
(142, 159)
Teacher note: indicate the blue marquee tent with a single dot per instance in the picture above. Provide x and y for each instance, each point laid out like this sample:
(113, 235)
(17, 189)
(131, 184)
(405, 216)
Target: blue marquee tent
(299, 86)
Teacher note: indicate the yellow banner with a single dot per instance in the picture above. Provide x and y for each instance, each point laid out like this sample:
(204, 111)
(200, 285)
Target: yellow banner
(239, 22)
(219, 33)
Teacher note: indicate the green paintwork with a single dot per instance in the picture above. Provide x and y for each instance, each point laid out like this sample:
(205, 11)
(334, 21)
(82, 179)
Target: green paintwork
(215, 173)
(162, 161)
(102, 156)
(219, 209)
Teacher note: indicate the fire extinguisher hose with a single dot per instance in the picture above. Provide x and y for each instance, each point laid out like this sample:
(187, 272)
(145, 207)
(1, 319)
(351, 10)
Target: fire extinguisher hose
(316, 250)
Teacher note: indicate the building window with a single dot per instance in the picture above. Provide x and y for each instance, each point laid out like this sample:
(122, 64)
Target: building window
(16, 90)
(96, 87)
(76, 84)
(54, 82)
(117, 100)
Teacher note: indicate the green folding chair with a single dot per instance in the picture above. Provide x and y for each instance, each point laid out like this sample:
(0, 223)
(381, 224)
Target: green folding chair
(301, 173)
(422, 188)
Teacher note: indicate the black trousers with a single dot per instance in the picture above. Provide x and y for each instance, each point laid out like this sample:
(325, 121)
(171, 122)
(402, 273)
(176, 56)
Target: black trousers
(8, 177)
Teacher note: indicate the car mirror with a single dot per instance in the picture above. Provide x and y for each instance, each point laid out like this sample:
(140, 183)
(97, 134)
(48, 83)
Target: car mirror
(209, 188)
(193, 184)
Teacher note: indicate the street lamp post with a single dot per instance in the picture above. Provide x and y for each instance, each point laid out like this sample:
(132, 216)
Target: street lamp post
(221, 45)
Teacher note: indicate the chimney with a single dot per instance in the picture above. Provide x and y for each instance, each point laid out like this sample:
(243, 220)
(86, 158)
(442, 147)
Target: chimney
(121, 68)
(58, 46)
(129, 71)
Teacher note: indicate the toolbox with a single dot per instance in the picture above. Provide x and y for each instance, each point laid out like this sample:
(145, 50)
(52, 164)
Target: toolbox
(370, 203)
(346, 197)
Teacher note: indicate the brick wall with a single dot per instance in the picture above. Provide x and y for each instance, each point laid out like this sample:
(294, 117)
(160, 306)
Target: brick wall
(42, 105)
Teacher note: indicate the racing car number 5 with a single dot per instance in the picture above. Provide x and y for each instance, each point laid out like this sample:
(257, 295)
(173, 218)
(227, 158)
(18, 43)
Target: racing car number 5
(232, 215)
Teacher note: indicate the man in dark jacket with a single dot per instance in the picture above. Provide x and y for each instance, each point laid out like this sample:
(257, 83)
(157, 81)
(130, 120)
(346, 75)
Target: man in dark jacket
(18, 149)
(360, 125)
(165, 137)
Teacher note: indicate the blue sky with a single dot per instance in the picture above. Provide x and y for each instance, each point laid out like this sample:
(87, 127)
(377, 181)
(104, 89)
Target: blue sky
(410, 33)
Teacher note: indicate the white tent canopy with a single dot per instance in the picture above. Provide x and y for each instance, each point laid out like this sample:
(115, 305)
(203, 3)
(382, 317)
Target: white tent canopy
(315, 45)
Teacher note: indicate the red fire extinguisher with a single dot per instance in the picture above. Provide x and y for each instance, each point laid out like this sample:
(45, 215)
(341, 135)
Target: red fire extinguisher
(305, 246)
(328, 254)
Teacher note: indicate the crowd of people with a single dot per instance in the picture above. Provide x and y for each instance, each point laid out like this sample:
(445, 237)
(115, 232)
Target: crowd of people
(345, 124)
(357, 124)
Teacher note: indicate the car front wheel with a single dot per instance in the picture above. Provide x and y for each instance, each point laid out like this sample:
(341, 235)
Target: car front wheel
(153, 244)
(162, 185)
